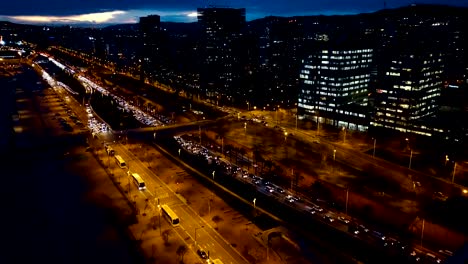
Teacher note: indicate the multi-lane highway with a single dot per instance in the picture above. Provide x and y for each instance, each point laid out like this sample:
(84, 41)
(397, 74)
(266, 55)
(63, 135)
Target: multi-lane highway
(158, 193)
(319, 210)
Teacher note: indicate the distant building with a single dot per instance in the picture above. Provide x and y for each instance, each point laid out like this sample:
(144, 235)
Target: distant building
(222, 52)
(335, 85)
(10, 57)
(280, 45)
(150, 29)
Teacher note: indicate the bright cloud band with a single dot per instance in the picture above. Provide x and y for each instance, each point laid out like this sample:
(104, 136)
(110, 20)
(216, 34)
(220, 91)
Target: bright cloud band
(97, 18)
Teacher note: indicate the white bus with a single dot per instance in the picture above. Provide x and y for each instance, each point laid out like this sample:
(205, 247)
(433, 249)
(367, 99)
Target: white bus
(120, 161)
(138, 181)
(170, 215)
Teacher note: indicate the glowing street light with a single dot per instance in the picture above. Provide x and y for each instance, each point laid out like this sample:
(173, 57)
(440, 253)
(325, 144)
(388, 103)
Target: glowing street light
(344, 136)
(333, 166)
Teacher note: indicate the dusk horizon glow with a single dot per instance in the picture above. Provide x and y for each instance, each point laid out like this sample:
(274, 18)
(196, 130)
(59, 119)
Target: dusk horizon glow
(123, 12)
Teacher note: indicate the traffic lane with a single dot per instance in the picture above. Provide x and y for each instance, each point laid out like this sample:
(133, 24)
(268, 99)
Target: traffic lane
(215, 241)
(207, 237)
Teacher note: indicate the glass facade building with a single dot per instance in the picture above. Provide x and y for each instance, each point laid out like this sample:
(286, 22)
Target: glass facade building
(409, 92)
(335, 87)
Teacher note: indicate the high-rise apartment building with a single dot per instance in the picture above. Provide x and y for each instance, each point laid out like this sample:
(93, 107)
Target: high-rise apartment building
(150, 29)
(222, 52)
(281, 44)
(335, 85)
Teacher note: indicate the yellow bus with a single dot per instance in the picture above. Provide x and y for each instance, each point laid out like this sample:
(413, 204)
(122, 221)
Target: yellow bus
(170, 215)
(138, 181)
(216, 261)
(120, 161)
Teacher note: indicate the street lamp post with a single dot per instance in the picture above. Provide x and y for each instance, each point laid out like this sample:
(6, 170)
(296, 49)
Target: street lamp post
(347, 196)
(199, 133)
(129, 185)
(422, 231)
(276, 116)
(296, 121)
(318, 124)
(196, 233)
(373, 153)
(446, 159)
(222, 146)
(209, 204)
(292, 178)
(285, 144)
(410, 158)
(454, 170)
(277, 109)
(334, 156)
(159, 218)
(344, 136)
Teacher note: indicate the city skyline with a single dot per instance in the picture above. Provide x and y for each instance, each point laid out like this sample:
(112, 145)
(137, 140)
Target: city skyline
(75, 12)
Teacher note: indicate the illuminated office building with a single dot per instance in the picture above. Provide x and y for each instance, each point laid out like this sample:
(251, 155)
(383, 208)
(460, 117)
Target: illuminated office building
(409, 92)
(335, 86)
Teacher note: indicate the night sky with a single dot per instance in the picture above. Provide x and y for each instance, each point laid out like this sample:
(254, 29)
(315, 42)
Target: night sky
(128, 11)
